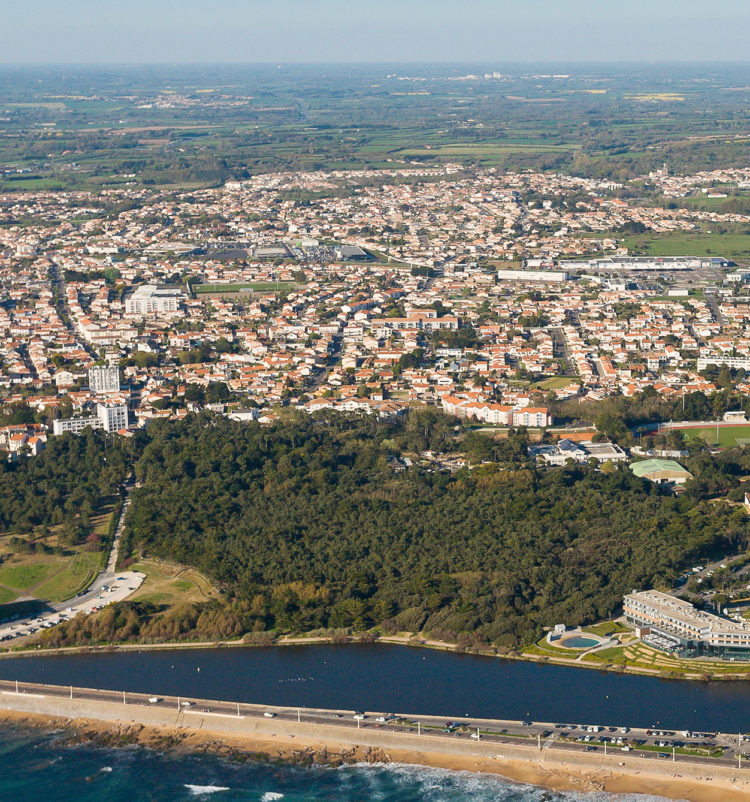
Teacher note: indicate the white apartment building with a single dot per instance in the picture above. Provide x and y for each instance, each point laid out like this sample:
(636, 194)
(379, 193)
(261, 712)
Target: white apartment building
(734, 362)
(502, 414)
(148, 299)
(113, 416)
(75, 425)
(103, 379)
(110, 417)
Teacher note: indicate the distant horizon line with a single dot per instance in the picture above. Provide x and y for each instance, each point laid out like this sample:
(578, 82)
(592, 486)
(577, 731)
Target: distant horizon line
(177, 63)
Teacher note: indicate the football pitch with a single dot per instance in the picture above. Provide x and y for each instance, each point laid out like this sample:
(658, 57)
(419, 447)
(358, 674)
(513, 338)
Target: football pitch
(728, 435)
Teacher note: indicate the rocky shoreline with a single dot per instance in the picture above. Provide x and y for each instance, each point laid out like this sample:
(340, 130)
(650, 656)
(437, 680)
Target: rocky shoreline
(74, 732)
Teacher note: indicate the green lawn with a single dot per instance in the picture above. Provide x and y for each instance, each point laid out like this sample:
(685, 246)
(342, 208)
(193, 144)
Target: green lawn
(606, 628)
(77, 576)
(23, 577)
(7, 595)
(728, 435)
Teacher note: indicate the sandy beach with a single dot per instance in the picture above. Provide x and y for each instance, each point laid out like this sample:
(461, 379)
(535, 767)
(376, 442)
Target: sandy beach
(554, 774)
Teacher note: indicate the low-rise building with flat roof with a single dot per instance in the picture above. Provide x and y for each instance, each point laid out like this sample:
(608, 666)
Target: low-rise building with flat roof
(661, 471)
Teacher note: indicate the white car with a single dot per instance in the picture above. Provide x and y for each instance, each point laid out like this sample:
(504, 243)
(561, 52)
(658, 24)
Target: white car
(269, 714)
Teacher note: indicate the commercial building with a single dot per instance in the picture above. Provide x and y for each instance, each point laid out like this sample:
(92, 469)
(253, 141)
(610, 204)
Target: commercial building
(103, 379)
(560, 453)
(532, 275)
(690, 629)
(628, 263)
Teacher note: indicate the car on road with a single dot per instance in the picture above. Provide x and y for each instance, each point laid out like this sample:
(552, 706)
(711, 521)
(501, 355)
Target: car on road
(152, 700)
(269, 714)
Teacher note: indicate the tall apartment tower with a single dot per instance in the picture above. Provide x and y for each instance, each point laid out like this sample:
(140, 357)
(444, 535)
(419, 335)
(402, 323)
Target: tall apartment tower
(113, 417)
(104, 379)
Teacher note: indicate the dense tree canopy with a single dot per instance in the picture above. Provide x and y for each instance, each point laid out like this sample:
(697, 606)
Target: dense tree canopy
(305, 524)
(67, 480)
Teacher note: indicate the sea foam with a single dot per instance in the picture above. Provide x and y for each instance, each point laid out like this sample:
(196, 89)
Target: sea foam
(387, 781)
(200, 790)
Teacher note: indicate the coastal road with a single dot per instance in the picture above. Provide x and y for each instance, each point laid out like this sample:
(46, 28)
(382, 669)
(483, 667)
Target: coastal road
(546, 737)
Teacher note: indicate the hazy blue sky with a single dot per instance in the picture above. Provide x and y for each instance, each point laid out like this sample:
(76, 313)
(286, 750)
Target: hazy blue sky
(373, 30)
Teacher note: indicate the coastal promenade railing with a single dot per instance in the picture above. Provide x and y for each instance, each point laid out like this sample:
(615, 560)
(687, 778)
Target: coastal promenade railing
(539, 736)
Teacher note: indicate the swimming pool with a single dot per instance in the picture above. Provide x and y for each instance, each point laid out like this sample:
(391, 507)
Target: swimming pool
(579, 642)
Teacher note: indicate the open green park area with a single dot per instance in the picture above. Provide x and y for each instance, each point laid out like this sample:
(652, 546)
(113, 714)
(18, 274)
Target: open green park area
(49, 573)
(167, 585)
(49, 578)
(732, 246)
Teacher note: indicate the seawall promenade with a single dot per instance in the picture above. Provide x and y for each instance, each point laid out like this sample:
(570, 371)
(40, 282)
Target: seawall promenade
(286, 731)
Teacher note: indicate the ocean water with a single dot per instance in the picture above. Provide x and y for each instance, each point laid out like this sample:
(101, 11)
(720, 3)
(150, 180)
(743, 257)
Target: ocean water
(37, 765)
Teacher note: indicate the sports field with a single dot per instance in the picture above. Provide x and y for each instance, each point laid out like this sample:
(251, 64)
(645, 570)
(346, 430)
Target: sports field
(262, 286)
(728, 435)
(556, 382)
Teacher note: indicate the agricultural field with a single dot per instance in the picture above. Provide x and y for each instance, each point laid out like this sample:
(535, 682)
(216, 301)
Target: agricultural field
(485, 153)
(234, 122)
